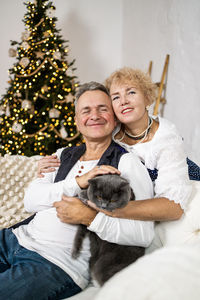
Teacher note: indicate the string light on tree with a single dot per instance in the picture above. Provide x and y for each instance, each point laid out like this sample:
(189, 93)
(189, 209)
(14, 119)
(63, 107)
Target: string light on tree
(33, 111)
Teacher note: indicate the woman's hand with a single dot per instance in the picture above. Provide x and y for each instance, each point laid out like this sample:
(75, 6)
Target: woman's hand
(98, 170)
(47, 164)
(72, 211)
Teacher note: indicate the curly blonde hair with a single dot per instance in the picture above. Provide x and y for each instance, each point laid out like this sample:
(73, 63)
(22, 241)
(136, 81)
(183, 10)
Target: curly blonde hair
(136, 77)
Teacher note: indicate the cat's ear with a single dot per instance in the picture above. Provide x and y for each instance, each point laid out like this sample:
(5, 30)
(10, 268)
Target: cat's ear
(123, 182)
(93, 180)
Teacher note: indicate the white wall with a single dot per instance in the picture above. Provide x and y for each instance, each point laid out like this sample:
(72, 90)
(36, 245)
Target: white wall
(106, 34)
(11, 27)
(94, 30)
(154, 28)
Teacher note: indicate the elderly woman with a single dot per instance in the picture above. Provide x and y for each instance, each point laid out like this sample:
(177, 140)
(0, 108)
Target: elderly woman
(155, 141)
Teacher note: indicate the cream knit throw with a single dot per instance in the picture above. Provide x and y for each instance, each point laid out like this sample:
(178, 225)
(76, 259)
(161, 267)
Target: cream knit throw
(16, 172)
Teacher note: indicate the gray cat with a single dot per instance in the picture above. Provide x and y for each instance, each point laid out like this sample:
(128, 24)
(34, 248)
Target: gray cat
(108, 192)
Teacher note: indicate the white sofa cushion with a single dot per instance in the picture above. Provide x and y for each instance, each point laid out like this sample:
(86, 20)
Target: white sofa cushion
(167, 273)
(184, 231)
(16, 172)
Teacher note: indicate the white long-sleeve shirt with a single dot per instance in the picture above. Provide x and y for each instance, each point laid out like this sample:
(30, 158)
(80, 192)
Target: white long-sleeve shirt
(52, 239)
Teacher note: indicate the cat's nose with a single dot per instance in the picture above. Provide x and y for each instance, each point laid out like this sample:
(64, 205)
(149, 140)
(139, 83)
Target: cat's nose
(103, 205)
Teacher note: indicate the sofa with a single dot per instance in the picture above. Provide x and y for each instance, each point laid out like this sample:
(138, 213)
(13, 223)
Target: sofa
(169, 270)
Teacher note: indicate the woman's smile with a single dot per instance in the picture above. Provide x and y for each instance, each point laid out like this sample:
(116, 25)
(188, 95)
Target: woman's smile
(127, 110)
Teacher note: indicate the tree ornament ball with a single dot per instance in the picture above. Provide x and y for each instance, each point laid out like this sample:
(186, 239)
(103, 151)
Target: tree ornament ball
(54, 113)
(12, 52)
(16, 127)
(57, 55)
(25, 45)
(24, 62)
(50, 13)
(25, 35)
(63, 132)
(26, 104)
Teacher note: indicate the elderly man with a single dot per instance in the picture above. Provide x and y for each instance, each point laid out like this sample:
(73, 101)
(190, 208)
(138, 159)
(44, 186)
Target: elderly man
(35, 259)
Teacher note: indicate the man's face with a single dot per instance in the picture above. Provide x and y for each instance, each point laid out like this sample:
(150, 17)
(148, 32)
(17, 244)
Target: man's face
(94, 115)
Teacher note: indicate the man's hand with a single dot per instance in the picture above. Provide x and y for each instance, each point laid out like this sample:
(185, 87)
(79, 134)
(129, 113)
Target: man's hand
(106, 212)
(71, 210)
(47, 164)
(98, 170)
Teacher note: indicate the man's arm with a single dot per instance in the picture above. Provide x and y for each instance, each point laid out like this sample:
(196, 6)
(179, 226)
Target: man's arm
(43, 192)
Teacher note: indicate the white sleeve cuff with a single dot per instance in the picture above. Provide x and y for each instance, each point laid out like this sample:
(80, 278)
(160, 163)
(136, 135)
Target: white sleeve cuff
(123, 231)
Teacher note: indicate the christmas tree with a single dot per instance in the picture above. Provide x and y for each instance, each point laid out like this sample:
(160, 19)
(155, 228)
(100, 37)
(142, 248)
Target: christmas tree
(37, 111)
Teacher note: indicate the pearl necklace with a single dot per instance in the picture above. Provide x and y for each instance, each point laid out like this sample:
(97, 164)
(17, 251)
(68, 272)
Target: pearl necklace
(142, 136)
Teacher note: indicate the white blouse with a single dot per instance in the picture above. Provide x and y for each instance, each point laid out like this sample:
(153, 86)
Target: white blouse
(165, 153)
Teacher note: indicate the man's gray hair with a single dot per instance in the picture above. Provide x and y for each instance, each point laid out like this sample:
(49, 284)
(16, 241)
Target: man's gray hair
(90, 86)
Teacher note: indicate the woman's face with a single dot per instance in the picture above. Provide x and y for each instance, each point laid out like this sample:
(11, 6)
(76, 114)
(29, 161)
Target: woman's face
(129, 103)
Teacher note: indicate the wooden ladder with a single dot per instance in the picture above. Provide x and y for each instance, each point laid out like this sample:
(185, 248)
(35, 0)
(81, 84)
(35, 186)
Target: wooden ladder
(161, 85)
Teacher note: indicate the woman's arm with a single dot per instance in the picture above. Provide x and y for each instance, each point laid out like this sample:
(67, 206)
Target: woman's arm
(120, 231)
(155, 209)
(173, 182)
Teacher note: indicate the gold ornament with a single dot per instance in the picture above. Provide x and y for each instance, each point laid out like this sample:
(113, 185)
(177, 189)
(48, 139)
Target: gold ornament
(69, 98)
(44, 89)
(40, 54)
(46, 34)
